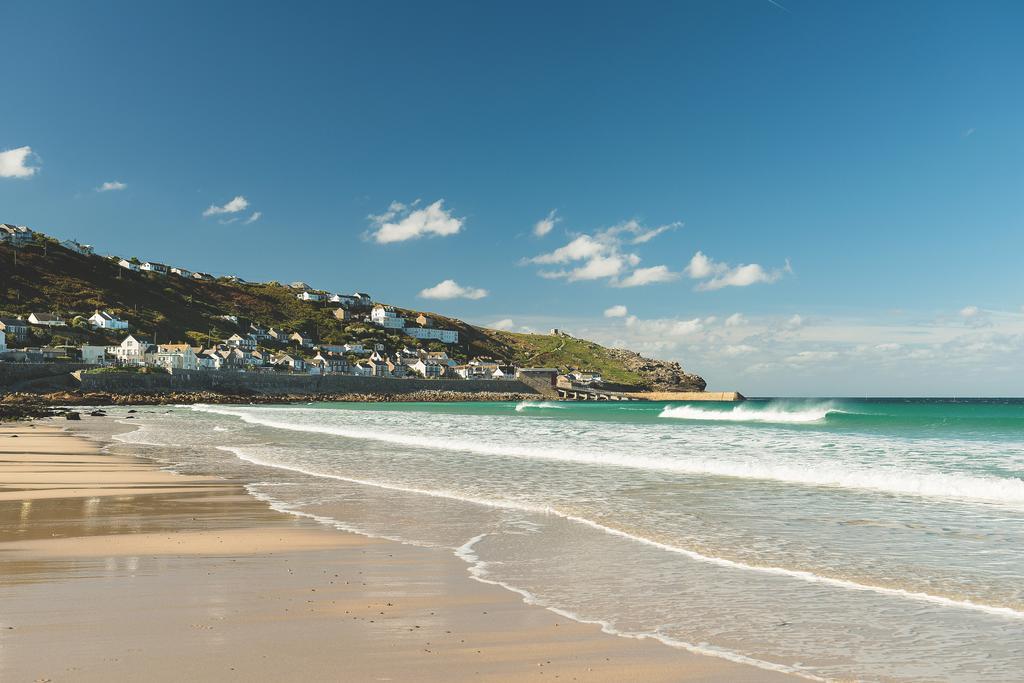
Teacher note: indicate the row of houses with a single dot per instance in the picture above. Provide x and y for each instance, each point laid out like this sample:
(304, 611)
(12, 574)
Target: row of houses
(162, 269)
(15, 235)
(422, 327)
(16, 329)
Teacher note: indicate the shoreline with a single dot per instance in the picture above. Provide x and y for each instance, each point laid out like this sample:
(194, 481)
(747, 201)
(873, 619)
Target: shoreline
(130, 536)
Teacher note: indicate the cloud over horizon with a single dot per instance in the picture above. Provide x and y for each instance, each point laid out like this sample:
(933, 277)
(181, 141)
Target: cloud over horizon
(14, 163)
(450, 289)
(405, 222)
(112, 186)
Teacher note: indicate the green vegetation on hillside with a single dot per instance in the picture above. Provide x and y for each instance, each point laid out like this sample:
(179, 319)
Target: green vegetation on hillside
(46, 277)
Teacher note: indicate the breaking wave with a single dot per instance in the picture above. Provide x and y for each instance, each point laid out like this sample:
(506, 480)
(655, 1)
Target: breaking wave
(742, 413)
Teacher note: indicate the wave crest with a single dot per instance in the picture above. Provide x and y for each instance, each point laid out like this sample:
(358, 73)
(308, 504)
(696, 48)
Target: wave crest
(743, 413)
(526, 405)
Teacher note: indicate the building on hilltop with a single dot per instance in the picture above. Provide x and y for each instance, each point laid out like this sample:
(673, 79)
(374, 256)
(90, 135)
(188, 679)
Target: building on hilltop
(105, 321)
(17, 235)
(46, 319)
(84, 249)
(154, 267)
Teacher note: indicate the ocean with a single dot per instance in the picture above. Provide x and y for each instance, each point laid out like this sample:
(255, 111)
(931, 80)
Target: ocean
(836, 539)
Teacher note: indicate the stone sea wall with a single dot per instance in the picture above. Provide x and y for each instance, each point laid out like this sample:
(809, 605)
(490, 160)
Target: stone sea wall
(15, 373)
(229, 382)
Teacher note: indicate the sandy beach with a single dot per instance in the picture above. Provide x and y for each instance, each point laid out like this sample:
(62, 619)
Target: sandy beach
(114, 569)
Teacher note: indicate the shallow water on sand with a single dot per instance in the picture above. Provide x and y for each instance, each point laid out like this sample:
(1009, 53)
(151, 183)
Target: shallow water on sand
(876, 540)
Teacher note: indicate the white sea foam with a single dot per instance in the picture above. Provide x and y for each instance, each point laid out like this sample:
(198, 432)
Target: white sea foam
(797, 574)
(889, 480)
(478, 571)
(742, 413)
(538, 405)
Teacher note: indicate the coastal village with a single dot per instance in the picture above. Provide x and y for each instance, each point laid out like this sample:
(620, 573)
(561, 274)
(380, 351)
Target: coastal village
(255, 346)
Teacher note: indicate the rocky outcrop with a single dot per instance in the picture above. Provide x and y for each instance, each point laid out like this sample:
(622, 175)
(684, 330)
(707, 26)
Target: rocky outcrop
(659, 375)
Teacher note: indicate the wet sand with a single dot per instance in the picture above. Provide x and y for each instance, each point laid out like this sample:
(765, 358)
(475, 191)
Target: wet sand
(113, 569)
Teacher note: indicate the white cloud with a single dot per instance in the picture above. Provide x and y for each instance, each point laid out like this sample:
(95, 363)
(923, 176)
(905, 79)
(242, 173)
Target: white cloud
(598, 267)
(112, 186)
(450, 289)
(256, 215)
(735, 320)
(546, 224)
(618, 311)
(236, 205)
(666, 329)
(717, 275)
(970, 311)
(795, 321)
(14, 163)
(812, 356)
(400, 222)
(604, 256)
(646, 276)
(582, 247)
(733, 350)
(503, 324)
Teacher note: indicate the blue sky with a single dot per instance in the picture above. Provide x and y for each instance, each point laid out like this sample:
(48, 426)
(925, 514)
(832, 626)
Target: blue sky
(867, 157)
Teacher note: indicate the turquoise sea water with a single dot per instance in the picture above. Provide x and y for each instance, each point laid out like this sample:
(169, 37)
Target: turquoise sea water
(833, 538)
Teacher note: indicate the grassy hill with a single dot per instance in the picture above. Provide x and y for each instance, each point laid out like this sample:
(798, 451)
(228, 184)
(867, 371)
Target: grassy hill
(46, 277)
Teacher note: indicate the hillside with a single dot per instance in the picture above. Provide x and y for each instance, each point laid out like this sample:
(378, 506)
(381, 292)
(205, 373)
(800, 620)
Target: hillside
(45, 277)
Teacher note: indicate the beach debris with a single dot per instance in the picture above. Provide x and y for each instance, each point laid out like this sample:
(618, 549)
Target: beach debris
(72, 415)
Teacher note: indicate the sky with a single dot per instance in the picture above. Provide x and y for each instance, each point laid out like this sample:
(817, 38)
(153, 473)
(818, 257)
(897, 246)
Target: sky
(791, 198)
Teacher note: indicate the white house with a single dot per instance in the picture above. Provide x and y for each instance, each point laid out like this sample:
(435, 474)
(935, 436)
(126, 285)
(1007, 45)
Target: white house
(386, 317)
(128, 265)
(175, 357)
(202, 276)
(353, 348)
(427, 368)
(443, 336)
(343, 300)
(301, 339)
(46, 319)
(76, 247)
(586, 377)
(15, 234)
(105, 321)
(293, 363)
(362, 369)
(310, 296)
(132, 351)
(97, 355)
(209, 360)
(154, 267)
(181, 272)
(440, 357)
(3, 341)
(246, 343)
